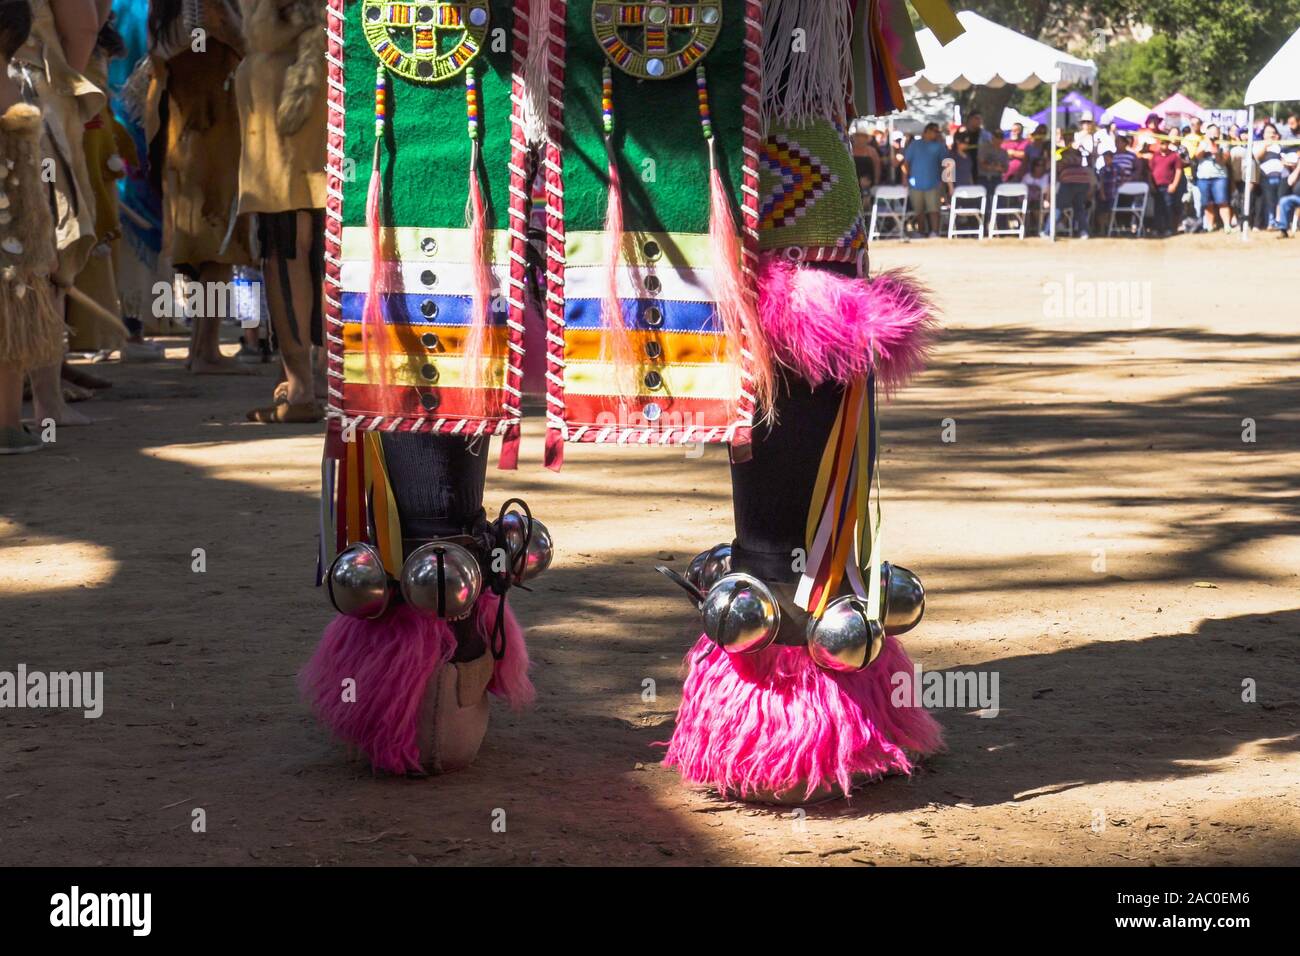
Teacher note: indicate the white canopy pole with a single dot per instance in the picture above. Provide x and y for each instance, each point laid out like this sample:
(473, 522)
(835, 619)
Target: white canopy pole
(1249, 170)
(896, 178)
(1051, 145)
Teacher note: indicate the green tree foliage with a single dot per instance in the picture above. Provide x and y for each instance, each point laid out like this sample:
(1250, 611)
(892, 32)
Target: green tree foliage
(1148, 72)
(1217, 46)
(1207, 49)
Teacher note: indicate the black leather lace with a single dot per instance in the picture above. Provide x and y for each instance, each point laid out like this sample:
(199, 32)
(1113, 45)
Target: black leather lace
(500, 582)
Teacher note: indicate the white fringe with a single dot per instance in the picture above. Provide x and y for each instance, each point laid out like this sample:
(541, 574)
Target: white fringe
(537, 72)
(134, 94)
(807, 61)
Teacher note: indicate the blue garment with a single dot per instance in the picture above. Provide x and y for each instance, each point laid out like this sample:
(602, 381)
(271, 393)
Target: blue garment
(1213, 191)
(1286, 209)
(924, 160)
(135, 190)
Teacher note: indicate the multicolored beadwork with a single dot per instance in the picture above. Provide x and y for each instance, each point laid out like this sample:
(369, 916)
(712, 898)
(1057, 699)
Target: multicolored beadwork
(702, 85)
(381, 101)
(472, 102)
(405, 35)
(809, 189)
(607, 100)
(656, 39)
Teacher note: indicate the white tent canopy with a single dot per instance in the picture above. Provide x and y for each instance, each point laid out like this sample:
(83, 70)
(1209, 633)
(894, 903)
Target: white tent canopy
(991, 55)
(1280, 79)
(988, 54)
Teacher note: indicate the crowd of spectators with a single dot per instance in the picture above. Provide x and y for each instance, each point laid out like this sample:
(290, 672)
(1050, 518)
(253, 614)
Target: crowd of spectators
(1196, 174)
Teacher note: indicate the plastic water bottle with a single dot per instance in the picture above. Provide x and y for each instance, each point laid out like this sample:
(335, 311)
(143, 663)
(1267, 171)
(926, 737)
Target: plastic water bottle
(247, 305)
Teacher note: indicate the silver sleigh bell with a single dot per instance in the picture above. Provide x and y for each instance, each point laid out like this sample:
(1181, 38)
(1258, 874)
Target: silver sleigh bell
(741, 615)
(540, 549)
(358, 584)
(442, 578)
(708, 566)
(845, 638)
(902, 599)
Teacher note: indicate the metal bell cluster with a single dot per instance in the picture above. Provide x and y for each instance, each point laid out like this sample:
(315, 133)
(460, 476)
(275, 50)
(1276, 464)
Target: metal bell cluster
(442, 578)
(742, 615)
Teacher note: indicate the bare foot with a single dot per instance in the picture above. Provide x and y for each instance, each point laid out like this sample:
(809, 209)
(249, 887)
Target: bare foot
(219, 366)
(64, 417)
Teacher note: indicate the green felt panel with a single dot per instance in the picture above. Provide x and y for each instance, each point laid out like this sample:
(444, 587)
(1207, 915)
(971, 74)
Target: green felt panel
(427, 153)
(655, 120)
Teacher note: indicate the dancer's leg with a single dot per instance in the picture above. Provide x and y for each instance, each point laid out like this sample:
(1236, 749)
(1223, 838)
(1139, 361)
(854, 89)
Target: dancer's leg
(288, 288)
(423, 705)
(47, 387)
(771, 724)
(205, 340)
(772, 491)
(11, 395)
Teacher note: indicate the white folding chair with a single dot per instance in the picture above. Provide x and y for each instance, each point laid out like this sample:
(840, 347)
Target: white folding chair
(889, 205)
(1017, 210)
(958, 211)
(1130, 201)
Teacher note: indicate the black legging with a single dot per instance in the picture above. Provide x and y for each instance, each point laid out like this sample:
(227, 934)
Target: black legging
(771, 493)
(438, 482)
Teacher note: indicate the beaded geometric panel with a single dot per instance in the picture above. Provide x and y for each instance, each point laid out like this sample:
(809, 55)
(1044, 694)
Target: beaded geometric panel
(800, 180)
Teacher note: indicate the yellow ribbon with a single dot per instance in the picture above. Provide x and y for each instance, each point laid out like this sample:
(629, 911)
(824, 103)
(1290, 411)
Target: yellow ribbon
(388, 525)
(938, 16)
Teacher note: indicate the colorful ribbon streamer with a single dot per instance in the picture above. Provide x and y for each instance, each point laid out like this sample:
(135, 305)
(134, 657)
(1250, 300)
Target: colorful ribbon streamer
(842, 541)
(365, 507)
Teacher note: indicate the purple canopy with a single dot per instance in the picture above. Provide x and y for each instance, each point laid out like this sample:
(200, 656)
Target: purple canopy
(1071, 109)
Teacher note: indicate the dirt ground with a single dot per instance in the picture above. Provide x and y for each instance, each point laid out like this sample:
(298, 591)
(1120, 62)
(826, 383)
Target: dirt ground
(1098, 536)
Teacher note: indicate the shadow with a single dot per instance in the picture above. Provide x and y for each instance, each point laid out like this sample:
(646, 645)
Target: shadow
(202, 710)
(201, 706)
(1119, 711)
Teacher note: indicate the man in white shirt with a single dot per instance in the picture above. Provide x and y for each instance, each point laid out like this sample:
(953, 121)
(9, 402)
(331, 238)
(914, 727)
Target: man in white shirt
(1088, 140)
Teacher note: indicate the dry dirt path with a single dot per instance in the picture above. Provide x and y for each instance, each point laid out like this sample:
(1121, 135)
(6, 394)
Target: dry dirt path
(1098, 536)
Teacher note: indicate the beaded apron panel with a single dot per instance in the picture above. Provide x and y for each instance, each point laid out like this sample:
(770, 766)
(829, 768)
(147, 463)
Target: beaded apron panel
(684, 389)
(425, 160)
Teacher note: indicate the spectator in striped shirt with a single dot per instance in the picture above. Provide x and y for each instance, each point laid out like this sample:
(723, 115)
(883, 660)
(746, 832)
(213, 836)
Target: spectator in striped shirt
(1076, 187)
(1125, 160)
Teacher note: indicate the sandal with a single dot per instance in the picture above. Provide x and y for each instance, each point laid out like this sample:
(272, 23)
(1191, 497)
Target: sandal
(303, 413)
(18, 441)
